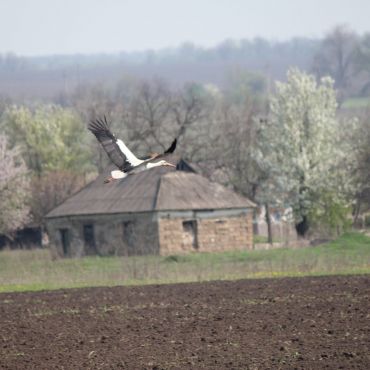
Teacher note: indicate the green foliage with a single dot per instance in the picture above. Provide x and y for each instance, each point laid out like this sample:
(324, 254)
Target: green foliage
(356, 103)
(51, 137)
(260, 239)
(264, 239)
(329, 214)
(53, 143)
(243, 85)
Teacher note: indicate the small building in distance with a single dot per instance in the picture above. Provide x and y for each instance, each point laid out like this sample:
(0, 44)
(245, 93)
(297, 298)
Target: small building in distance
(159, 211)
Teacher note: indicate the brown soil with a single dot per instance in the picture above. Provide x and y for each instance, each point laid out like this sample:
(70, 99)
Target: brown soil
(303, 323)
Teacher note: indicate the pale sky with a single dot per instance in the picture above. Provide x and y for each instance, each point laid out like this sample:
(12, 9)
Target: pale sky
(39, 27)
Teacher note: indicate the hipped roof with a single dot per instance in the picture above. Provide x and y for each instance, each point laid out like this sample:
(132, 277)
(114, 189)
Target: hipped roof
(157, 189)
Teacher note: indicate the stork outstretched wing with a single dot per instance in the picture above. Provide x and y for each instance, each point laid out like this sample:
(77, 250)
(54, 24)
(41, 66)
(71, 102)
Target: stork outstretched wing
(117, 151)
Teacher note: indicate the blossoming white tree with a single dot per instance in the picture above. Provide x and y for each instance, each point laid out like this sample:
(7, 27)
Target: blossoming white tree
(14, 188)
(302, 150)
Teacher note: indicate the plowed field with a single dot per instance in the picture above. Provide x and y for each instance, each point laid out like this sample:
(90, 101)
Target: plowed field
(302, 323)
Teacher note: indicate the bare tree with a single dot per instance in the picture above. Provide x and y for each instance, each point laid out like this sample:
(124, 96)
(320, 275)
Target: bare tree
(52, 189)
(336, 58)
(92, 102)
(188, 107)
(148, 114)
(361, 172)
(155, 114)
(363, 64)
(241, 126)
(222, 140)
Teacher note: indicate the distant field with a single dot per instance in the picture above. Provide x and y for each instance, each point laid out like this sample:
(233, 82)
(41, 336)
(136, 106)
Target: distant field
(35, 270)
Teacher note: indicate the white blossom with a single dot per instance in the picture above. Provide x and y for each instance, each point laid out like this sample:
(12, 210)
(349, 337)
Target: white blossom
(301, 144)
(14, 189)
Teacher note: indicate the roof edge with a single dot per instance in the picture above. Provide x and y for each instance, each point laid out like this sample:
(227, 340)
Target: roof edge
(150, 211)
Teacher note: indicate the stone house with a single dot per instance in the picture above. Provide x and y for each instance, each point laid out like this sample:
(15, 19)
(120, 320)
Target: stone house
(159, 211)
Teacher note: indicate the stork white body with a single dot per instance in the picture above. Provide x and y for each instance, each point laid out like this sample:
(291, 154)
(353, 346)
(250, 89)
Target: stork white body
(122, 156)
(117, 174)
(131, 157)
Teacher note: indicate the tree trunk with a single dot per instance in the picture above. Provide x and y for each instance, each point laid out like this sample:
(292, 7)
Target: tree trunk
(268, 221)
(356, 212)
(302, 227)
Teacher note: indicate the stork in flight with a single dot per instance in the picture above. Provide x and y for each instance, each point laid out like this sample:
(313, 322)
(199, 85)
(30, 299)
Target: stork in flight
(122, 156)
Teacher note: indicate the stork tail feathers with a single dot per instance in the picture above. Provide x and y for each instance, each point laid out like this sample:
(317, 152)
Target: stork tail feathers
(172, 148)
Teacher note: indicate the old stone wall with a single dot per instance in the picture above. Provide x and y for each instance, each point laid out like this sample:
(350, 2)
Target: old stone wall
(232, 233)
(121, 234)
(171, 237)
(205, 234)
(152, 233)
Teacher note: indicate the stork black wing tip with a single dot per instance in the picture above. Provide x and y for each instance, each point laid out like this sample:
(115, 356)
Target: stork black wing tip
(100, 126)
(172, 148)
(99, 123)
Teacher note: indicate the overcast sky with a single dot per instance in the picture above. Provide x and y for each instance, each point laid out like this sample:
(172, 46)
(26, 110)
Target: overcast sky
(36, 27)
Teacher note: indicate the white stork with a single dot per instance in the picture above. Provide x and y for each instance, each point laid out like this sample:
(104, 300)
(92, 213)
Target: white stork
(122, 156)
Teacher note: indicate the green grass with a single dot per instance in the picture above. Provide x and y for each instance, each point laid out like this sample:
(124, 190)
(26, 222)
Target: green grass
(356, 103)
(264, 239)
(35, 269)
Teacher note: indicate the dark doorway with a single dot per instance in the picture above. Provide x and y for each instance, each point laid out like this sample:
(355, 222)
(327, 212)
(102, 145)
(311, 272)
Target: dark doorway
(191, 233)
(129, 237)
(89, 239)
(65, 240)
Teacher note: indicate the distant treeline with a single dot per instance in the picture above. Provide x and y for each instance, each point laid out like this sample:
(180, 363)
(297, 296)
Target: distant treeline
(229, 50)
(342, 54)
(49, 76)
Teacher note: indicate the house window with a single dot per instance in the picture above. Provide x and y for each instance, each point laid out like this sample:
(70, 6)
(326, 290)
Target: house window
(89, 239)
(191, 233)
(129, 236)
(65, 240)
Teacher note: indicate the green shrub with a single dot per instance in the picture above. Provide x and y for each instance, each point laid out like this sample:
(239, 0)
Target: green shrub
(330, 215)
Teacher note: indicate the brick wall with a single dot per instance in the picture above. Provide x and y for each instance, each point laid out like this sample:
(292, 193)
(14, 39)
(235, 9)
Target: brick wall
(212, 234)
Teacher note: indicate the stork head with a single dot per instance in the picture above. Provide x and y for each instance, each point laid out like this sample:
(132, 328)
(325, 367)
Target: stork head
(165, 163)
(160, 163)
